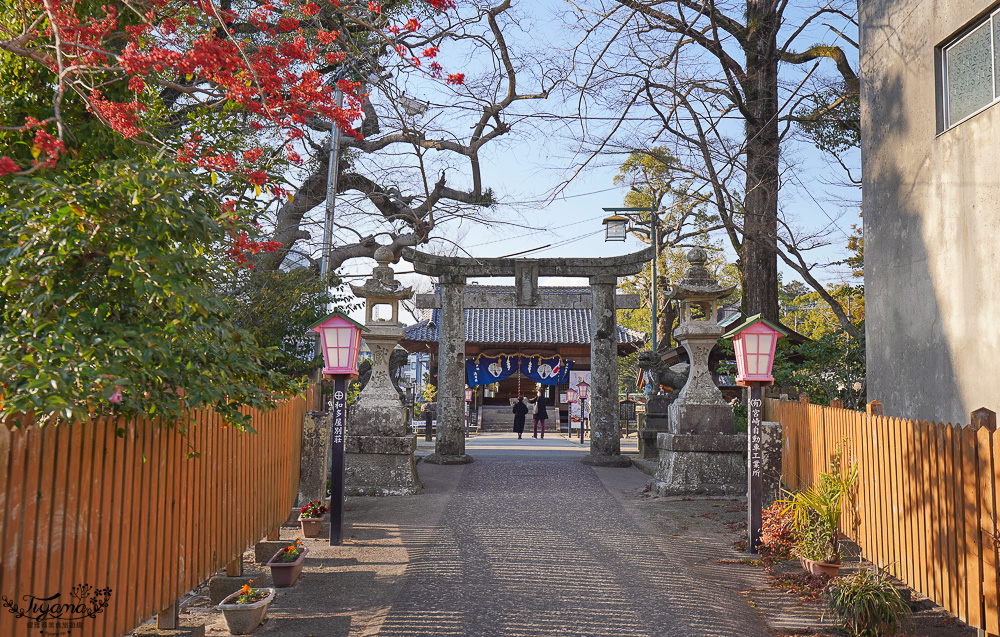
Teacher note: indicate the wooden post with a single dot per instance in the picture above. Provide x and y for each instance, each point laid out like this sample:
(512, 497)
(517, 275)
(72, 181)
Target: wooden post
(754, 481)
(984, 417)
(274, 535)
(167, 618)
(235, 568)
(875, 408)
(338, 466)
(837, 403)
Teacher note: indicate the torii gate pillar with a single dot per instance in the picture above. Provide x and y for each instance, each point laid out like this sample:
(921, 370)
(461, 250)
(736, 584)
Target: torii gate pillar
(450, 446)
(605, 445)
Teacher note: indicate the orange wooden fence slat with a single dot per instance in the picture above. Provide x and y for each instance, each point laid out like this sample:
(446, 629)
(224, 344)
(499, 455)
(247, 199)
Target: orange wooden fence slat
(7, 522)
(962, 575)
(973, 561)
(28, 544)
(891, 494)
(950, 601)
(987, 519)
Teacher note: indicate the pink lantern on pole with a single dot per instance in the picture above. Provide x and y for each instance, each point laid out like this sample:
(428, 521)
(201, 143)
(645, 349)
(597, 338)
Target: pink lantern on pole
(583, 388)
(571, 395)
(468, 395)
(754, 342)
(341, 341)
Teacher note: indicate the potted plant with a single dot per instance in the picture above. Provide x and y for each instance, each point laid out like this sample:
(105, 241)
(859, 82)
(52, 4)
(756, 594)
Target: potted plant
(816, 516)
(286, 565)
(245, 609)
(311, 518)
(867, 603)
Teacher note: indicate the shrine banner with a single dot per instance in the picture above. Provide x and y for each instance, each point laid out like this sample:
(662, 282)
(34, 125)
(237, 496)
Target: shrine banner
(547, 371)
(484, 370)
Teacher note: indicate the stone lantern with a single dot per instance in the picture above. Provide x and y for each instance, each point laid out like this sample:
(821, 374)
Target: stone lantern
(701, 451)
(380, 457)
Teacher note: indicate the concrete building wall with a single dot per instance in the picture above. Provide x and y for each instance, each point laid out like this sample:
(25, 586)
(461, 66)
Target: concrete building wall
(932, 220)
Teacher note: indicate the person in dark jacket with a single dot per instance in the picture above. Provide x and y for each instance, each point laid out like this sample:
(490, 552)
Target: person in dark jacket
(520, 410)
(541, 415)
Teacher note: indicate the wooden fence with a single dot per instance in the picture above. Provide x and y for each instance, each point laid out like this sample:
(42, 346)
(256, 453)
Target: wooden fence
(134, 513)
(925, 506)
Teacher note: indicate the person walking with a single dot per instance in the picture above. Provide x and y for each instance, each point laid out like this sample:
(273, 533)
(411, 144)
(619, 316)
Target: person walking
(520, 411)
(540, 414)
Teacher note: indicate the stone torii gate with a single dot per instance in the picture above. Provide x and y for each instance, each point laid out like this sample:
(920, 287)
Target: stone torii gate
(452, 272)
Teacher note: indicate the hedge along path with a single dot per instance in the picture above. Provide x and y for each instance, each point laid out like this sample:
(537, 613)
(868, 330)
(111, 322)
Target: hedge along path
(926, 497)
(80, 505)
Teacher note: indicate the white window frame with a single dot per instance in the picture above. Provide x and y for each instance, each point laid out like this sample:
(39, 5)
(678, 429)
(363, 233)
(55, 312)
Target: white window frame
(993, 19)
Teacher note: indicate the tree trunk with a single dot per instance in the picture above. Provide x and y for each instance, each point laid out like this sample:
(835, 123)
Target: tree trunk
(665, 319)
(759, 258)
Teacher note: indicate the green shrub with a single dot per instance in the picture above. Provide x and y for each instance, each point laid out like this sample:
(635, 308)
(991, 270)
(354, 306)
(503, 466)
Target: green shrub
(867, 604)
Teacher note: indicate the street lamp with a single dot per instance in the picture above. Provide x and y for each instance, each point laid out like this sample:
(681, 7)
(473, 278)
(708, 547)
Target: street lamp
(340, 338)
(754, 342)
(583, 390)
(616, 228)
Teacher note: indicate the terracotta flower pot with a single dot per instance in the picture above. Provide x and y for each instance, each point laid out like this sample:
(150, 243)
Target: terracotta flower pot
(823, 568)
(284, 574)
(243, 619)
(310, 526)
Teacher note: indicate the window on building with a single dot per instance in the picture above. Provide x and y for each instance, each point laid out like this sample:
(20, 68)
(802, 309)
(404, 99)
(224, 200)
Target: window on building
(972, 71)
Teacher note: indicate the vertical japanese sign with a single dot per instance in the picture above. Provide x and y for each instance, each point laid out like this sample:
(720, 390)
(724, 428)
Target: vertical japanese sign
(338, 464)
(754, 483)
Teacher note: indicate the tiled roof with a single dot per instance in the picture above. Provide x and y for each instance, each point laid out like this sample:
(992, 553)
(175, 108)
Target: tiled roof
(521, 325)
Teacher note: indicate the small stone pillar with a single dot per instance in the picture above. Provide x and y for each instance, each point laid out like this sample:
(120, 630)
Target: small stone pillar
(770, 470)
(701, 453)
(313, 467)
(450, 445)
(605, 445)
(380, 458)
(656, 421)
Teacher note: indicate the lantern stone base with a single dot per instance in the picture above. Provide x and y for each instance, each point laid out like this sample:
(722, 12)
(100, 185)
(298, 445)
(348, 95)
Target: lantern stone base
(381, 465)
(437, 458)
(700, 464)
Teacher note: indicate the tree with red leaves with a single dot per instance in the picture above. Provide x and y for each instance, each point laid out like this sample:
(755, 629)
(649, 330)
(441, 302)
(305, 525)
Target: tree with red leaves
(244, 90)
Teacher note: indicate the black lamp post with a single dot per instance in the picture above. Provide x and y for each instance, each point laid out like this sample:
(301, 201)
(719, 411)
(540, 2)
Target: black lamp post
(754, 342)
(616, 228)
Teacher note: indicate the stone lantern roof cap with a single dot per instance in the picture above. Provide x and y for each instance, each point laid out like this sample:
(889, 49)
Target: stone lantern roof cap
(698, 283)
(382, 285)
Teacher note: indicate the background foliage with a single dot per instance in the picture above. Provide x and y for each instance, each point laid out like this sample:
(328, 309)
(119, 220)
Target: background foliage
(107, 300)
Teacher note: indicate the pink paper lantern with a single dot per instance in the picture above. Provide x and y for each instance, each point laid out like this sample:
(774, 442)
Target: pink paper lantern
(583, 389)
(341, 341)
(754, 342)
